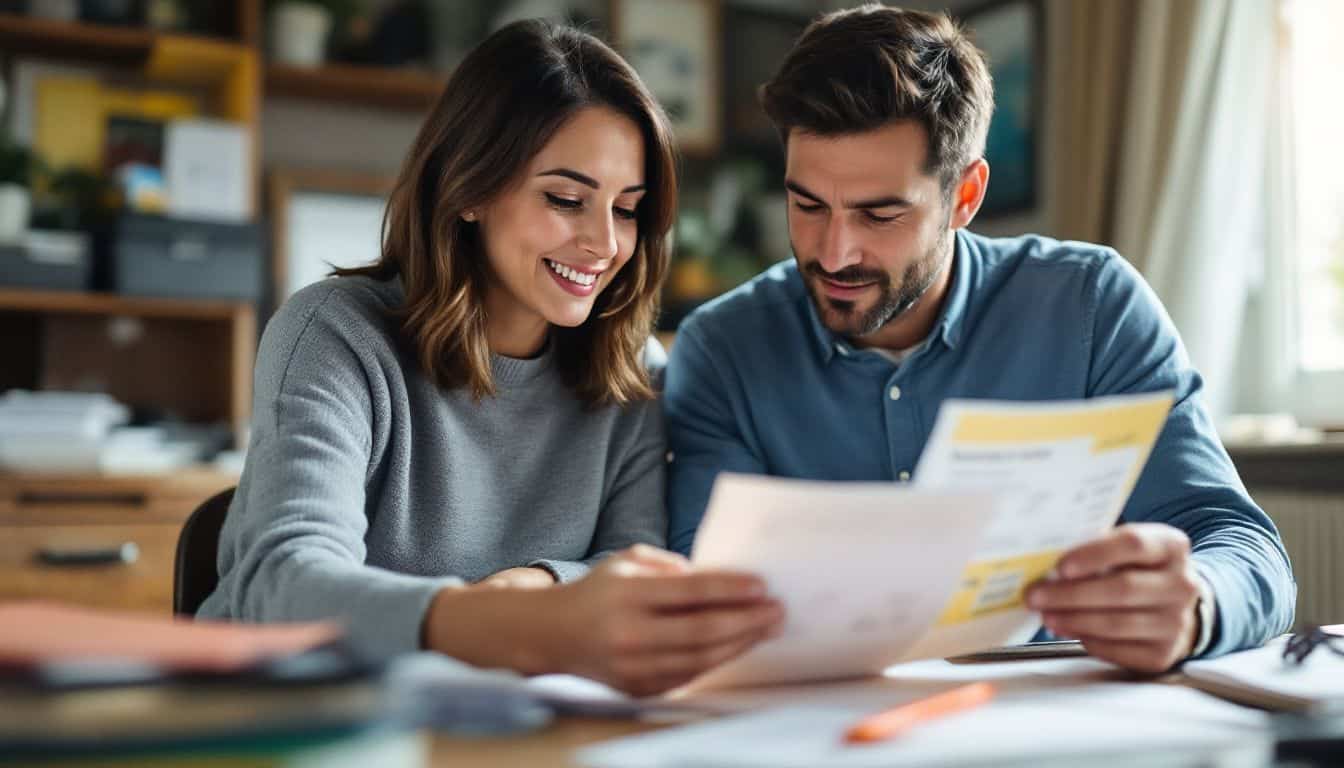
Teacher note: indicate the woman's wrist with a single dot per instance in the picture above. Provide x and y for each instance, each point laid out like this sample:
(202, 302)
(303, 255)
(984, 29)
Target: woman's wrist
(496, 627)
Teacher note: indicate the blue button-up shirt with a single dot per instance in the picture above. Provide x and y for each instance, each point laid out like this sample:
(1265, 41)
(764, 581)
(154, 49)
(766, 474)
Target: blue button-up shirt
(757, 384)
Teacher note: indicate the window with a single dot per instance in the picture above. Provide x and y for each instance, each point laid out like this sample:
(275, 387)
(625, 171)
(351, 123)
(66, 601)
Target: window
(1314, 63)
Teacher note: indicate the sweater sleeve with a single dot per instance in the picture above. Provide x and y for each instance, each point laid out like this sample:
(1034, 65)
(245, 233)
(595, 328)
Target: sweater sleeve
(293, 546)
(633, 511)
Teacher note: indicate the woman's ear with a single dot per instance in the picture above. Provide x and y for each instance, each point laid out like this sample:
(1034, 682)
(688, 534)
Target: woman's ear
(469, 215)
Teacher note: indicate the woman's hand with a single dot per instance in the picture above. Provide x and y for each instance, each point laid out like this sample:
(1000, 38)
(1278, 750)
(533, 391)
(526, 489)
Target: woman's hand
(644, 621)
(520, 578)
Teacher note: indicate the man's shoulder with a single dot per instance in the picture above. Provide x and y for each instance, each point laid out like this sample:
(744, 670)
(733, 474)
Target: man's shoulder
(1048, 269)
(1039, 253)
(769, 302)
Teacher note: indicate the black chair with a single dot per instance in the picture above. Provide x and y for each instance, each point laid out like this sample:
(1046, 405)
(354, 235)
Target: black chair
(194, 570)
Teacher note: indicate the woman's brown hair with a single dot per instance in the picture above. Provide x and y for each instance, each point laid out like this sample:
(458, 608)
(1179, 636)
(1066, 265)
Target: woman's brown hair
(500, 107)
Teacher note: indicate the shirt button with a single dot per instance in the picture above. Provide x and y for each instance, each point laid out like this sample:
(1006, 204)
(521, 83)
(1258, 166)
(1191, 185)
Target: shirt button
(894, 393)
(903, 476)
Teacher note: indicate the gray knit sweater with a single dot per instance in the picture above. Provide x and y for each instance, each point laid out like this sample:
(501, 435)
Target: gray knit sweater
(367, 488)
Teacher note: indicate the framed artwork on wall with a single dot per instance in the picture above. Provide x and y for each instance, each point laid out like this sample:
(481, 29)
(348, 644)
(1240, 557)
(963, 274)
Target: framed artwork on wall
(321, 220)
(756, 41)
(1010, 34)
(674, 45)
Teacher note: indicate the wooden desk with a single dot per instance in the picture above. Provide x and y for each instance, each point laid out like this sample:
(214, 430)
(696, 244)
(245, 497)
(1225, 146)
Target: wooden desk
(551, 746)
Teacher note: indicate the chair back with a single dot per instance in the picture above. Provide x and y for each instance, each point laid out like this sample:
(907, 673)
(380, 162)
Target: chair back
(195, 572)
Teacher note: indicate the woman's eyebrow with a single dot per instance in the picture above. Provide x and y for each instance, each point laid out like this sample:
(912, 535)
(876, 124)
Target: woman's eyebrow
(585, 179)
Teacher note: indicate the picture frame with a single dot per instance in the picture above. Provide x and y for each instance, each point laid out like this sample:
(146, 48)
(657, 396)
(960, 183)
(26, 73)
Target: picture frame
(755, 43)
(321, 220)
(674, 45)
(1011, 33)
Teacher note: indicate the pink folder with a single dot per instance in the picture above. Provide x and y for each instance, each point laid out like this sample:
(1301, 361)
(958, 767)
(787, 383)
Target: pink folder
(43, 632)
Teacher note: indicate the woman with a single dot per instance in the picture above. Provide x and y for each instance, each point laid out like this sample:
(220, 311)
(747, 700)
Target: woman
(446, 443)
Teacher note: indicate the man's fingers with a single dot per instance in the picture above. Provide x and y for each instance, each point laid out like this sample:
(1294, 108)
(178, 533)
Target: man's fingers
(1128, 588)
(1146, 657)
(1136, 544)
(695, 589)
(1132, 625)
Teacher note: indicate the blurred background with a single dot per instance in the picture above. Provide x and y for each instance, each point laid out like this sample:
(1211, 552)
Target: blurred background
(171, 170)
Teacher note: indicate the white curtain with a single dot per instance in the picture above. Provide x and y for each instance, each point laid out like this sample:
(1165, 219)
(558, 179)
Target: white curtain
(1217, 219)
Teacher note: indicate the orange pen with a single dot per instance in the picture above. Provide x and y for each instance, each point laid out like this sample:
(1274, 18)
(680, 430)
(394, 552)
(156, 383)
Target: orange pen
(898, 720)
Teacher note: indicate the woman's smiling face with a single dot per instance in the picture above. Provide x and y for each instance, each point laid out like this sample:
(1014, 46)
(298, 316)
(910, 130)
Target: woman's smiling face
(558, 235)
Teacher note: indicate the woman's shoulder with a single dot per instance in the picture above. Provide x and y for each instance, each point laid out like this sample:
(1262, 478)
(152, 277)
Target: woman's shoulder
(333, 323)
(356, 306)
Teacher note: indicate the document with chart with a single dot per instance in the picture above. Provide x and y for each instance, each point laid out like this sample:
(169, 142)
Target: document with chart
(874, 574)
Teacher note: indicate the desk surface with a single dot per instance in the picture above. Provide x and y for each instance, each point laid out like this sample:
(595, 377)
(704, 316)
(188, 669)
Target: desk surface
(552, 746)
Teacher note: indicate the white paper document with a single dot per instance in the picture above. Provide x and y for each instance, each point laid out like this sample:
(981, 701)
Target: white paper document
(1102, 724)
(873, 574)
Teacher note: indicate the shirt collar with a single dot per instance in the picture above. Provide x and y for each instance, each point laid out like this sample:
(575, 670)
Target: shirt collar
(959, 293)
(948, 327)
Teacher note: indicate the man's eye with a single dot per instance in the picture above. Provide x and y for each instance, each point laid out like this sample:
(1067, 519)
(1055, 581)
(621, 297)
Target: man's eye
(874, 218)
(807, 207)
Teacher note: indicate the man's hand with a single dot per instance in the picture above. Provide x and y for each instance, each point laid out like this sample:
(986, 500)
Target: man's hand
(1129, 596)
(520, 578)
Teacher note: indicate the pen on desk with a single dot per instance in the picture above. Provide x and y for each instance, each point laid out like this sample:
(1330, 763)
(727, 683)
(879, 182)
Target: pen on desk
(897, 720)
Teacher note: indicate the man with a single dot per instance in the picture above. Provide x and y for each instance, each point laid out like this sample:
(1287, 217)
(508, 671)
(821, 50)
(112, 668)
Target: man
(833, 366)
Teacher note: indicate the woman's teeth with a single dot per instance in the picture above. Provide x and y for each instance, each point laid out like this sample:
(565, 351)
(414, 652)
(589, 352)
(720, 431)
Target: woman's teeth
(572, 275)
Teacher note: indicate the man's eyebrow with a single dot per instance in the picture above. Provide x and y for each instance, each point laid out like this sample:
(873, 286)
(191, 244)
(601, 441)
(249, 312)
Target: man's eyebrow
(584, 179)
(801, 191)
(885, 201)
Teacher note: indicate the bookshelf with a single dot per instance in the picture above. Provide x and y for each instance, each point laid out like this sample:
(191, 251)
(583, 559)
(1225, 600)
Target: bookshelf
(356, 86)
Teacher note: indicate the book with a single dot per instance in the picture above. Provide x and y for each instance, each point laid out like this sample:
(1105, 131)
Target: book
(1263, 678)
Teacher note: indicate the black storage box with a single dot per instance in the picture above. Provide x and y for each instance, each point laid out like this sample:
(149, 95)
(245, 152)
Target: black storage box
(181, 258)
(55, 261)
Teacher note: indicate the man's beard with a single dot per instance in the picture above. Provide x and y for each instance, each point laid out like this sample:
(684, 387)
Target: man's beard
(843, 317)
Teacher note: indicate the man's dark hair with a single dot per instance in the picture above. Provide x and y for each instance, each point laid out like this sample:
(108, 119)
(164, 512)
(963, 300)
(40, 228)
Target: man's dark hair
(860, 69)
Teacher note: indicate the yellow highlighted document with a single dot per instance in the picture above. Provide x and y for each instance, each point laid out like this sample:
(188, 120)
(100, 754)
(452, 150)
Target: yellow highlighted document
(875, 574)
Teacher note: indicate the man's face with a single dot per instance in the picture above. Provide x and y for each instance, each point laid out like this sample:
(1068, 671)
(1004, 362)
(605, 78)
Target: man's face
(869, 227)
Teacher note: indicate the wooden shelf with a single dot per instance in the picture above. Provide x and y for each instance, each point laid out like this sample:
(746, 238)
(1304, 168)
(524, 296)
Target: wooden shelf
(121, 46)
(192, 60)
(402, 89)
(61, 302)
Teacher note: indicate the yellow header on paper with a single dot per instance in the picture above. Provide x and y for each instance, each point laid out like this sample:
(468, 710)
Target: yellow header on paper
(1110, 427)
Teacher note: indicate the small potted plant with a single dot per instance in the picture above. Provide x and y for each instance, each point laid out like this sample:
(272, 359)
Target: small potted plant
(19, 168)
(299, 29)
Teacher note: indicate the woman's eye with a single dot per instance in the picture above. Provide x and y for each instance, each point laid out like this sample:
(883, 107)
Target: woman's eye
(563, 202)
(625, 213)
